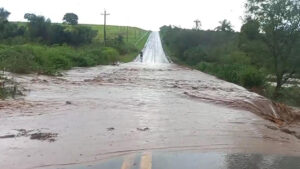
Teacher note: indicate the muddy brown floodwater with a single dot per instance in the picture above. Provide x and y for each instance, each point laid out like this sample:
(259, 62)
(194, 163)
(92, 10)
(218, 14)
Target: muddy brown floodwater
(90, 114)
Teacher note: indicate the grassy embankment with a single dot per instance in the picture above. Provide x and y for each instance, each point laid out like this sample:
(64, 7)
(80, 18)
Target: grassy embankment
(136, 37)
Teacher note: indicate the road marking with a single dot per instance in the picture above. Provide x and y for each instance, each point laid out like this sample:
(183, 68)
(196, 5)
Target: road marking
(146, 161)
(128, 161)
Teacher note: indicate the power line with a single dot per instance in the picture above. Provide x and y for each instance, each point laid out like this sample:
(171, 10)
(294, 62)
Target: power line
(104, 30)
(127, 33)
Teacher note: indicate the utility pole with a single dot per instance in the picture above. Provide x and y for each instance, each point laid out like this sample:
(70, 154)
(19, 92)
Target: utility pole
(104, 30)
(127, 34)
(198, 24)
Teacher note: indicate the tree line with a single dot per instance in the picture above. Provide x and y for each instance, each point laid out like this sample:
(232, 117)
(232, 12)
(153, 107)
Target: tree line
(40, 29)
(40, 46)
(266, 48)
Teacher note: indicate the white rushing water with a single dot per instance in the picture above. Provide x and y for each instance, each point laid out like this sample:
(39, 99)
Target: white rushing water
(153, 51)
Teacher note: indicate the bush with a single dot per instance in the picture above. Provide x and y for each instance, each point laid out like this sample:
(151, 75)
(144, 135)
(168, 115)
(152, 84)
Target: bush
(17, 59)
(87, 56)
(10, 30)
(78, 35)
(208, 67)
(223, 71)
(81, 61)
(48, 60)
(251, 77)
(125, 48)
(122, 47)
(60, 62)
(108, 55)
(246, 76)
(287, 95)
(236, 57)
(8, 88)
(195, 55)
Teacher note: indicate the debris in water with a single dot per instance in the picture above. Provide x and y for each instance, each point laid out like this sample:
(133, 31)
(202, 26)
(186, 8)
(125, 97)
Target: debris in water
(288, 131)
(143, 129)
(23, 132)
(44, 136)
(195, 88)
(34, 136)
(272, 127)
(110, 129)
(8, 136)
(115, 64)
(175, 86)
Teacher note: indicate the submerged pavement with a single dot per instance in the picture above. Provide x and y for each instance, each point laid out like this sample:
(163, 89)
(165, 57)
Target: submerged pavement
(156, 115)
(193, 160)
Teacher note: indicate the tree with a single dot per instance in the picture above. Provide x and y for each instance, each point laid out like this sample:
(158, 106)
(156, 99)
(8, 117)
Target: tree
(38, 27)
(225, 26)
(77, 35)
(8, 30)
(251, 42)
(71, 19)
(279, 22)
(251, 29)
(4, 14)
(29, 16)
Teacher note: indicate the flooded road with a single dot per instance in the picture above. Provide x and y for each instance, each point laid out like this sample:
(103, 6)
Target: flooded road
(153, 51)
(194, 160)
(93, 114)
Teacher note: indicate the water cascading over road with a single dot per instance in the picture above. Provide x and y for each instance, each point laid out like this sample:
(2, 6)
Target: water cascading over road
(91, 114)
(153, 51)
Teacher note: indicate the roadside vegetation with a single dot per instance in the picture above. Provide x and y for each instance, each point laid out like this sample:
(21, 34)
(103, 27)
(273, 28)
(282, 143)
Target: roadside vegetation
(8, 88)
(263, 57)
(40, 46)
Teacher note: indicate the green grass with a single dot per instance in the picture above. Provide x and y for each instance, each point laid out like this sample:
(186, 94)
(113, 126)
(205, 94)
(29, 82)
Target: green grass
(136, 37)
(20, 23)
(112, 31)
(134, 34)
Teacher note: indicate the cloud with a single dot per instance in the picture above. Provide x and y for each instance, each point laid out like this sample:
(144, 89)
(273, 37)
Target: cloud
(145, 14)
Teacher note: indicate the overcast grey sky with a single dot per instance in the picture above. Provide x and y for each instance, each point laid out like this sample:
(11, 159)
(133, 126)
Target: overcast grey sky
(147, 14)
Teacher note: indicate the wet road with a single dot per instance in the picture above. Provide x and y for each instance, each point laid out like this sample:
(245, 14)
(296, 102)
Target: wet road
(153, 51)
(112, 112)
(194, 160)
